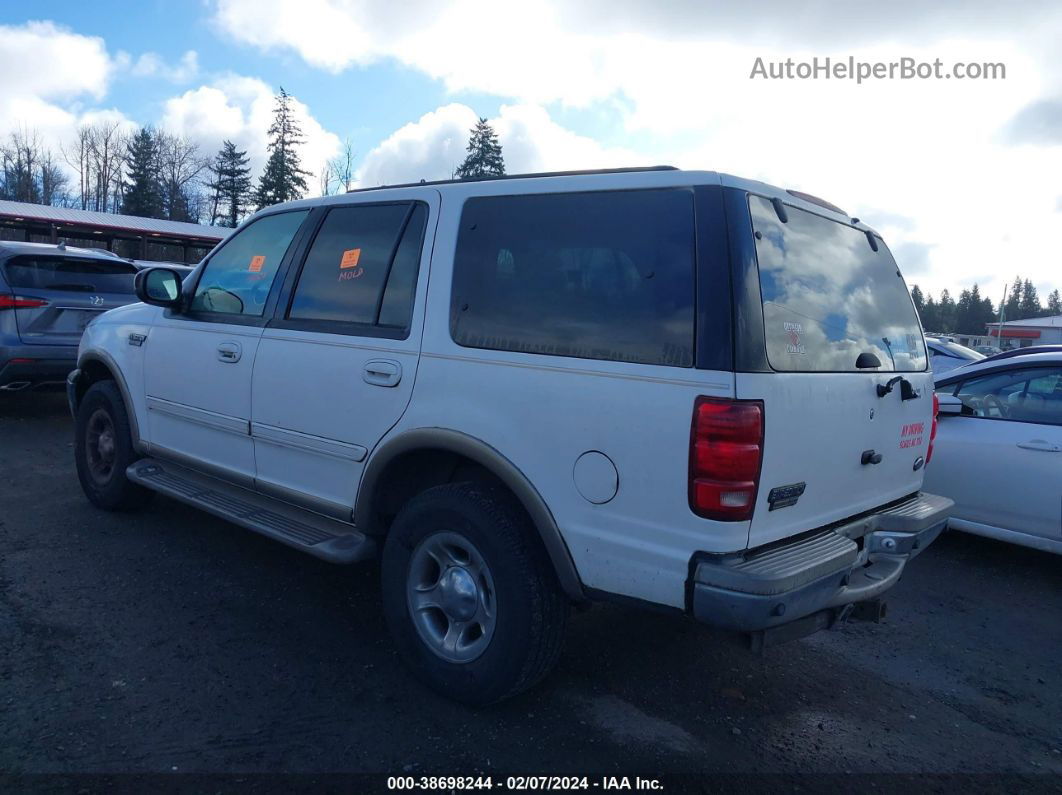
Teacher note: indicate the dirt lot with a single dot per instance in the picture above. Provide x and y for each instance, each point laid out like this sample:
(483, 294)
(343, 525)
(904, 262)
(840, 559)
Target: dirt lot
(171, 641)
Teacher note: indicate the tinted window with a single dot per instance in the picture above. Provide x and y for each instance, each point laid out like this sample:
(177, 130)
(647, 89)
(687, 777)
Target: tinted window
(349, 263)
(1030, 395)
(956, 351)
(238, 276)
(74, 275)
(397, 304)
(828, 296)
(592, 275)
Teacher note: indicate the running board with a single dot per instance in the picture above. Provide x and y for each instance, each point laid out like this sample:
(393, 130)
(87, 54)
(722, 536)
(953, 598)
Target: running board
(317, 535)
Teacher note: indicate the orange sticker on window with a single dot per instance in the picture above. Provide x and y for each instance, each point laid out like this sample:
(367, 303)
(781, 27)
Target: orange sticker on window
(256, 264)
(350, 258)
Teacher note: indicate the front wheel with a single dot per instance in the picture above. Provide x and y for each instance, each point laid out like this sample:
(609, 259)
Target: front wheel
(469, 594)
(103, 448)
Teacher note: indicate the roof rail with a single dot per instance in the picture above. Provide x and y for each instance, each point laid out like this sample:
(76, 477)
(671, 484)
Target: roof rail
(491, 178)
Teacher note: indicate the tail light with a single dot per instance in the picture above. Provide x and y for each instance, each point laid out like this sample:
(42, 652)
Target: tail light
(726, 448)
(8, 301)
(933, 428)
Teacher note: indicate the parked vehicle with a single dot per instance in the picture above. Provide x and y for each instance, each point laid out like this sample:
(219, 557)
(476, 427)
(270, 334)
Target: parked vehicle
(1029, 349)
(48, 295)
(987, 350)
(999, 449)
(945, 355)
(573, 406)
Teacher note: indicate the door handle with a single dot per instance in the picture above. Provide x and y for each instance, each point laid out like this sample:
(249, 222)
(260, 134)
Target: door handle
(229, 352)
(1041, 445)
(382, 372)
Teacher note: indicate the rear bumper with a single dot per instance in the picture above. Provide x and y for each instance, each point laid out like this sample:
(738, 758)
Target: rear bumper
(817, 574)
(28, 365)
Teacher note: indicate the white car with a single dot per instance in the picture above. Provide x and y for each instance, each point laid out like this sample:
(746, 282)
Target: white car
(998, 450)
(945, 355)
(680, 388)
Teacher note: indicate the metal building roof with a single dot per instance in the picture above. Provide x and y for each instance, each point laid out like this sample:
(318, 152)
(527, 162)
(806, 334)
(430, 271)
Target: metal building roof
(1051, 321)
(121, 223)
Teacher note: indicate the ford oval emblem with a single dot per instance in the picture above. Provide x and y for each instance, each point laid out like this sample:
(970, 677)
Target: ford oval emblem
(918, 463)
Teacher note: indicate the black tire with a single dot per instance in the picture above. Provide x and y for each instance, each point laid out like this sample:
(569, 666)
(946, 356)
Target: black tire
(102, 475)
(531, 611)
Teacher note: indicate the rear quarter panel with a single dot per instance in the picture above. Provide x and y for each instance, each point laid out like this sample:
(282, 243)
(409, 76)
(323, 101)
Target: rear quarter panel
(542, 412)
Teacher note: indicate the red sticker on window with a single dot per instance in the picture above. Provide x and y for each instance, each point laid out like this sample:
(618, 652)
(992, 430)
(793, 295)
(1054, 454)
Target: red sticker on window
(350, 258)
(256, 264)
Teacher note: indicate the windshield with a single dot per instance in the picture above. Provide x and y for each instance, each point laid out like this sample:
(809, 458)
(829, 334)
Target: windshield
(74, 275)
(958, 351)
(828, 296)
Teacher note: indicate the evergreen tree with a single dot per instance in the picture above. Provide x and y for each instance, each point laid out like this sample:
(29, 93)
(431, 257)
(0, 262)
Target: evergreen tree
(1030, 301)
(931, 315)
(143, 196)
(283, 178)
(947, 312)
(484, 153)
(964, 313)
(1054, 303)
(1012, 309)
(230, 186)
(918, 299)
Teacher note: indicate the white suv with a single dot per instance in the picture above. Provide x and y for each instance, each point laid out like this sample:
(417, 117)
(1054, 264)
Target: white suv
(674, 387)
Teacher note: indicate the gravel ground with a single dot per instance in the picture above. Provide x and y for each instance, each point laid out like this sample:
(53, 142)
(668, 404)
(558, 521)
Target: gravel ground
(170, 641)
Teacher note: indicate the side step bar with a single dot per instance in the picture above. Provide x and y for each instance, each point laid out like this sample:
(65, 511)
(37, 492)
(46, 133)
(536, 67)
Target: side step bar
(317, 535)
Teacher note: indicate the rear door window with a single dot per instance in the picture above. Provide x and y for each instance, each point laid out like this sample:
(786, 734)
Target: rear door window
(67, 274)
(605, 275)
(239, 275)
(362, 266)
(828, 296)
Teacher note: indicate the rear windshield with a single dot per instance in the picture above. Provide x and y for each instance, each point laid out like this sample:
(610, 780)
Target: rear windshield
(828, 296)
(958, 351)
(71, 275)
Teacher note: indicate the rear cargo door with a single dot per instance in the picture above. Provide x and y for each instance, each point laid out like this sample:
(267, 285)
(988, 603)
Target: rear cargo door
(839, 327)
(57, 296)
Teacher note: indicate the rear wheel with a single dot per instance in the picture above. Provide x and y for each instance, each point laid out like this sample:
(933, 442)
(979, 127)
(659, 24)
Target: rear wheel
(469, 594)
(103, 448)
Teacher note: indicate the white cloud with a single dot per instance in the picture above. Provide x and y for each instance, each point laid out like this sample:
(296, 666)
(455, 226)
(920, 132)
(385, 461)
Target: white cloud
(151, 64)
(46, 70)
(932, 151)
(434, 146)
(240, 109)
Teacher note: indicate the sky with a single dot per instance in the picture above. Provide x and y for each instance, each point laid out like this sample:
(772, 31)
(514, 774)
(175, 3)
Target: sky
(963, 177)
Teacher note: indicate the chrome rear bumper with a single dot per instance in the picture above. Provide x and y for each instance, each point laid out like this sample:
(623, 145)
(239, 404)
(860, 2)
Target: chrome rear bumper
(838, 566)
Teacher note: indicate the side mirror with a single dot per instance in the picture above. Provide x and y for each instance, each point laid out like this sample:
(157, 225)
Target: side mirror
(159, 287)
(949, 405)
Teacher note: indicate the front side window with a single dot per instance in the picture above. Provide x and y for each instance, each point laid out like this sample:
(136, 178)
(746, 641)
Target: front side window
(828, 296)
(362, 266)
(72, 275)
(238, 277)
(605, 275)
(1026, 395)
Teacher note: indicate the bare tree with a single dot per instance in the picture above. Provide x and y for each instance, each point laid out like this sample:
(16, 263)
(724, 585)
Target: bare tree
(77, 157)
(104, 160)
(179, 168)
(337, 176)
(29, 171)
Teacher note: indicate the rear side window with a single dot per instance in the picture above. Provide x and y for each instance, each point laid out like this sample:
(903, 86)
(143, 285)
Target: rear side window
(1032, 395)
(362, 266)
(70, 275)
(239, 275)
(828, 296)
(605, 275)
